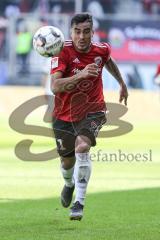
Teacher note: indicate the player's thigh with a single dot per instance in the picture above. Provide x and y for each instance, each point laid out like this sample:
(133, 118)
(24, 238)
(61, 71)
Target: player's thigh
(65, 138)
(82, 144)
(91, 125)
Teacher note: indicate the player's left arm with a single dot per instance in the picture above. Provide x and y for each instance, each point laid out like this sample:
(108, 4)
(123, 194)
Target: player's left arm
(113, 69)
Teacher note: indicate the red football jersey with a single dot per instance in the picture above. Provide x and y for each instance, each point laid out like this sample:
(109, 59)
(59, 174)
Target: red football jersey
(87, 96)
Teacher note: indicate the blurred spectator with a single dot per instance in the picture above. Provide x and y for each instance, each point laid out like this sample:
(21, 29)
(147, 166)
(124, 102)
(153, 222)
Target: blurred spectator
(3, 73)
(99, 34)
(43, 21)
(109, 6)
(134, 78)
(3, 28)
(43, 7)
(27, 5)
(96, 9)
(12, 11)
(147, 6)
(151, 6)
(46, 83)
(156, 77)
(23, 48)
(64, 6)
(56, 9)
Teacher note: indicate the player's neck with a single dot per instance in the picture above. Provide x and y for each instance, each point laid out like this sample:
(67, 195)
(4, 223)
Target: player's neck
(83, 51)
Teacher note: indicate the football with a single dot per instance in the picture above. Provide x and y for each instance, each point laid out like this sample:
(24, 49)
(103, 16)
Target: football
(48, 41)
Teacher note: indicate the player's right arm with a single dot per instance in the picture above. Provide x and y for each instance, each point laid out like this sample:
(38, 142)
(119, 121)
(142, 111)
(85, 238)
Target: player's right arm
(59, 84)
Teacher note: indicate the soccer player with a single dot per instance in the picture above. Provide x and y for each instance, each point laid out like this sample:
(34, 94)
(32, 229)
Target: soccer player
(79, 113)
(157, 76)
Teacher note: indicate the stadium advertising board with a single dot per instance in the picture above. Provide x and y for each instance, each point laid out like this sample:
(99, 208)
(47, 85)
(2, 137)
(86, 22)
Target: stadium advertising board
(132, 40)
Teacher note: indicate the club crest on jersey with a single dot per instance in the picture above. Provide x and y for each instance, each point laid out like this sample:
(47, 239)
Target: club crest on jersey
(98, 60)
(54, 62)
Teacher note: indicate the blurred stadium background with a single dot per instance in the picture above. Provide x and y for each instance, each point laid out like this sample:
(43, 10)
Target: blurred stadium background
(127, 203)
(131, 27)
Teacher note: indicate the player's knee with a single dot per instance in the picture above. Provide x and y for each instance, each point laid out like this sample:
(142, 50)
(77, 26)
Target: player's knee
(82, 144)
(82, 147)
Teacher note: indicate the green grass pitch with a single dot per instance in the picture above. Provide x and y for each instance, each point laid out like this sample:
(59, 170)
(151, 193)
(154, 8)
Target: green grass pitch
(123, 199)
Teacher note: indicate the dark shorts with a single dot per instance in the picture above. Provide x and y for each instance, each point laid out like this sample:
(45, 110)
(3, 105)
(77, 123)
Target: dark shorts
(66, 132)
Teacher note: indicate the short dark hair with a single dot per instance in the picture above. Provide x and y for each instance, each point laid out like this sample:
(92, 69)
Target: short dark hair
(81, 17)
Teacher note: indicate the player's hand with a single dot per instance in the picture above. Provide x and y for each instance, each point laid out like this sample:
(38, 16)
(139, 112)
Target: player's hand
(123, 94)
(91, 70)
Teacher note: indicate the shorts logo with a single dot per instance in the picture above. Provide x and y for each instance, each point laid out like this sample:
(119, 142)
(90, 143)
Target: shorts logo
(93, 125)
(95, 128)
(54, 62)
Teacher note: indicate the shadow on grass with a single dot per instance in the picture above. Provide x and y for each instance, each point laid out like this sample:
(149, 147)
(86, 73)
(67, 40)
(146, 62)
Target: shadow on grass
(132, 214)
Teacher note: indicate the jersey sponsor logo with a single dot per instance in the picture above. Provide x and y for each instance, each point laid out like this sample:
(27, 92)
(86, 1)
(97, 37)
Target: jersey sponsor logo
(98, 60)
(54, 63)
(76, 60)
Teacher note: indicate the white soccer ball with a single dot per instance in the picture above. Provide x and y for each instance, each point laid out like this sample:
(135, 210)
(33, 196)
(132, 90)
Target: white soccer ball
(48, 41)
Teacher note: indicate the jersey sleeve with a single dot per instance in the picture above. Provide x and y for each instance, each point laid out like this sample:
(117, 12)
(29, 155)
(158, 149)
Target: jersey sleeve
(107, 52)
(59, 63)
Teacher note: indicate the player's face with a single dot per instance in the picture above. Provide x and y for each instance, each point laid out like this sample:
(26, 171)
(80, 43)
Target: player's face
(81, 35)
